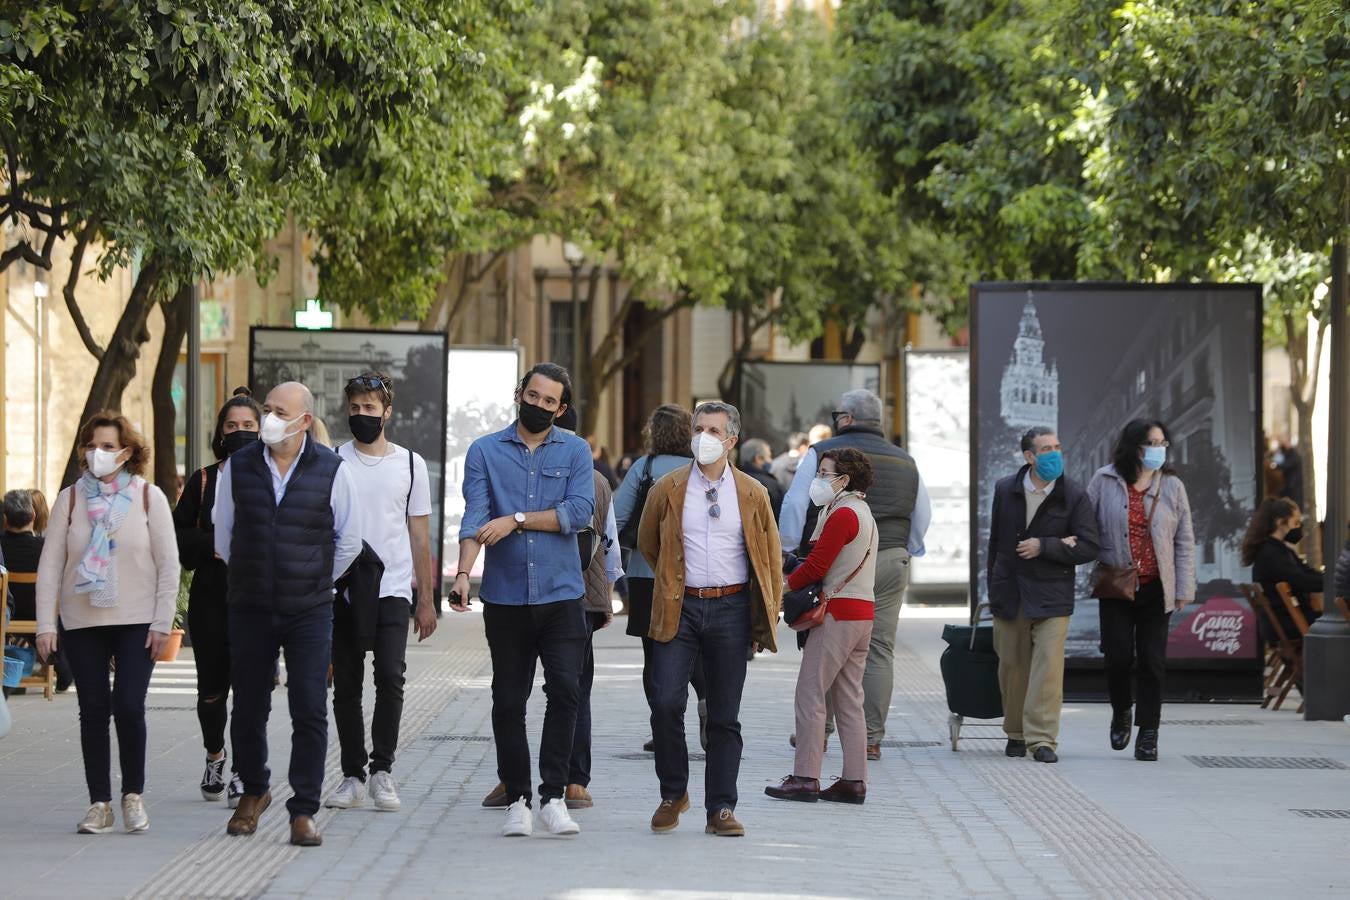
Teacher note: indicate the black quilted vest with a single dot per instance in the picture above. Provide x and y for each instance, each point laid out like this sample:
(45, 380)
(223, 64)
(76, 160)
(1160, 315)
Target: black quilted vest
(281, 555)
(895, 483)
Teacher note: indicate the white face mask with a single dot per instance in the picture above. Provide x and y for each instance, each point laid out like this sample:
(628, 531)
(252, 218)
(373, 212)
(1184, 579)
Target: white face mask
(273, 428)
(102, 463)
(707, 449)
(822, 490)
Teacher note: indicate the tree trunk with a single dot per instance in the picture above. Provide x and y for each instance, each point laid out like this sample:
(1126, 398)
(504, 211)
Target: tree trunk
(118, 365)
(177, 313)
(1303, 374)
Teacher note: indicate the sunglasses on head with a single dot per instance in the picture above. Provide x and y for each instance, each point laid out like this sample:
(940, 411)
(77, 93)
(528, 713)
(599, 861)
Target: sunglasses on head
(369, 383)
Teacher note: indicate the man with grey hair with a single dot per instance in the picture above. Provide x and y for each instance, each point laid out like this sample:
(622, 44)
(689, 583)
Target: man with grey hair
(784, 466)
(755, 459)
(899, 503)
(287, 528)
(708, 533)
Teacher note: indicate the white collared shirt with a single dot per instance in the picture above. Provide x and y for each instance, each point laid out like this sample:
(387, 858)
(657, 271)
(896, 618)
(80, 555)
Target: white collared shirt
(714, 548)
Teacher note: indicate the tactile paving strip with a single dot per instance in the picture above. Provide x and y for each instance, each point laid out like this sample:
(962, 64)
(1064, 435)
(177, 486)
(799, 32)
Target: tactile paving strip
(1265, 762)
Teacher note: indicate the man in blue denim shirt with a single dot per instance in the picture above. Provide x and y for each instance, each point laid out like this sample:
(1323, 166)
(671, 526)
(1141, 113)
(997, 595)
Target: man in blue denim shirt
(528, 490)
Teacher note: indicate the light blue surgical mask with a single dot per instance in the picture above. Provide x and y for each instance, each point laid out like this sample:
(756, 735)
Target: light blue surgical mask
(1050, 465)
(1154, 458)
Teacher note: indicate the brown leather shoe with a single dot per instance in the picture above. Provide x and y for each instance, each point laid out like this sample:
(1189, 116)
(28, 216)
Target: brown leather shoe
(667, 815)
(577, 797)
(246, 814)
(304, 833)
(806, 790)
(723, 824)
(874, 751)
(845, 792)
(496, 798)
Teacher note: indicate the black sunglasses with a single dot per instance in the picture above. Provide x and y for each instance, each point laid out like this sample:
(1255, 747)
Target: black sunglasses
(369, 383)
(714, 511)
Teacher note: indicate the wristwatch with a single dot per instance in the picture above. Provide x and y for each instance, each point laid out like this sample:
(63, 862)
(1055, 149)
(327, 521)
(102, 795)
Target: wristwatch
(520, 520)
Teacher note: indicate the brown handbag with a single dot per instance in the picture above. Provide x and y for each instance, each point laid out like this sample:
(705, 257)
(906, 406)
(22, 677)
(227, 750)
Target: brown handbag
(815, 615)
(1122, 582)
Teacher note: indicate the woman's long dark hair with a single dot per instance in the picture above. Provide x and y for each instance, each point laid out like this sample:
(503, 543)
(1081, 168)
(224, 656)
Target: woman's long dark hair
(1268, 515)
(1125, 458)
(242, 397)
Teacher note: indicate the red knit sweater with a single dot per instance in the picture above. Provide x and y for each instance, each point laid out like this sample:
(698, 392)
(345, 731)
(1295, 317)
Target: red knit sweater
(840, 528)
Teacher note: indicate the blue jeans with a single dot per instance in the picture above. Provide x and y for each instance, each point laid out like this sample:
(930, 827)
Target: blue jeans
(256, 636)
(719, 631)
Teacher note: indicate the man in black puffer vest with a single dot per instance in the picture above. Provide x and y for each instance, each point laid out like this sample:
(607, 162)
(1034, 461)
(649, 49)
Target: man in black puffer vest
(286, 528)
(899, 503)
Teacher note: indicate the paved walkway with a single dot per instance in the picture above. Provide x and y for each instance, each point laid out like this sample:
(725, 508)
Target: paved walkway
(936, 823)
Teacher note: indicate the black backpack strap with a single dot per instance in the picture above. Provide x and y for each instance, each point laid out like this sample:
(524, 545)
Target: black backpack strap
(407, 503)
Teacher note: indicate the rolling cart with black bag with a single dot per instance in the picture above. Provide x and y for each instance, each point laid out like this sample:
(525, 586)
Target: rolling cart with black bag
(970, 672)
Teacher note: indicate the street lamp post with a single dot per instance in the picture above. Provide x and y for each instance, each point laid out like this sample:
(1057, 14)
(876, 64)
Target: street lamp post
(575, 257)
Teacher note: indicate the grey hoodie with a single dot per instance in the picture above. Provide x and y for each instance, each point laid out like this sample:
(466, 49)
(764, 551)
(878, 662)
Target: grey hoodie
(1173, 539)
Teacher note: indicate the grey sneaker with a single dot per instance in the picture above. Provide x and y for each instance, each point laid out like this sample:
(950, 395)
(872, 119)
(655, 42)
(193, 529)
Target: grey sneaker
(99, 819)
(349, 795)
(134, 817)
(382, 792)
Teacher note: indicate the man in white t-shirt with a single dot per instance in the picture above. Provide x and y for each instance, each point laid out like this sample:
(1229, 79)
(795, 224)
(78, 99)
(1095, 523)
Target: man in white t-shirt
(395, 514)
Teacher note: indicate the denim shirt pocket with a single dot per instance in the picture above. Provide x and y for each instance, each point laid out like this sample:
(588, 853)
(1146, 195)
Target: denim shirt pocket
(553, 485)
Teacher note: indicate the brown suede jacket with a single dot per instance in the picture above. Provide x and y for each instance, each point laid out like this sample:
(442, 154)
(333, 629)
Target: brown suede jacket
(661, 541)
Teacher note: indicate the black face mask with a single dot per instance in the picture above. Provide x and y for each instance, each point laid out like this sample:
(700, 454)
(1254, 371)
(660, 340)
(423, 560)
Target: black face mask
(535, 419)
(237, 440)
(365, 428)
(1294, 536)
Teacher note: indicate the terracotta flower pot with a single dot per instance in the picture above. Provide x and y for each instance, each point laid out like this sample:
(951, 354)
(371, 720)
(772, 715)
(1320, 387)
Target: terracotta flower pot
(172, 646)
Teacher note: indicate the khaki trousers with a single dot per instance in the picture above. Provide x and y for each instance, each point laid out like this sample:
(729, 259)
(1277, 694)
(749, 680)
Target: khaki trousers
(832, 666)
(1031, 677)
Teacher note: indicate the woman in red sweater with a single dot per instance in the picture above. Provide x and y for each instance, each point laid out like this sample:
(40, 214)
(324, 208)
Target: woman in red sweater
(844, 558)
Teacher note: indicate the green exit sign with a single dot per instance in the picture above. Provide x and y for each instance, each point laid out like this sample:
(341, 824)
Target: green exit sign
(313, 317)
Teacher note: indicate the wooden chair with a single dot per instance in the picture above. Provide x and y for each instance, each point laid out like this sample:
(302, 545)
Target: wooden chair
(1300, 624)
(1273, 662)
(1290, 655)
(44, 673)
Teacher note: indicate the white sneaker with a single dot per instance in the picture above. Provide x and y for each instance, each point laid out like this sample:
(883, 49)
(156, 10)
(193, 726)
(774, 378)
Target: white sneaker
(519, 821)
(349, 795)
(134, 816)
(556, 819)
(382, 791)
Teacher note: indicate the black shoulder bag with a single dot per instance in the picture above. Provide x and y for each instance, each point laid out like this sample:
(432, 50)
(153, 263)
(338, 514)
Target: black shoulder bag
(628, 537)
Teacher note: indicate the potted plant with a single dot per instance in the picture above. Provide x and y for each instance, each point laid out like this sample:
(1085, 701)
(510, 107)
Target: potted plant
(175, 642)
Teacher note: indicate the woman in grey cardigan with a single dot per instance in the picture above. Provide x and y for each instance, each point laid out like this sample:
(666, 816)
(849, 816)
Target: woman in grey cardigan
(1144, 520)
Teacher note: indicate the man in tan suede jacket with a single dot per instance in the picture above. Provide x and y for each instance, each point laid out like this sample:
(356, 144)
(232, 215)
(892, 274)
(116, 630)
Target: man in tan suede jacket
(708, 532)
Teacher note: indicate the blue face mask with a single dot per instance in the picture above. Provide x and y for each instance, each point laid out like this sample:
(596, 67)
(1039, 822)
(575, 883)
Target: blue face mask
(1050, 465)
(1154, 457)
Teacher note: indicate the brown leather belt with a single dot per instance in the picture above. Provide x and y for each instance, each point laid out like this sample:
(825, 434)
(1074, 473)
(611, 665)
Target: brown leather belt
(712, 593)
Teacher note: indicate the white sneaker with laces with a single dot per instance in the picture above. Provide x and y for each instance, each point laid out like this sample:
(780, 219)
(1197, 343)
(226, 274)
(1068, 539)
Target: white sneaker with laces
(382, 792)
(556, 818)
(234, 792)
(349, 795)
(519, 820)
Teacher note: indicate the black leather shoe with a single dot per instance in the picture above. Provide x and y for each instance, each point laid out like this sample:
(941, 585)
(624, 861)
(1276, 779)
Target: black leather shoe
(805, 790)
(650, 746)
(1015, 749)
(1146, 745)
(1045, 755)
(1121, 725)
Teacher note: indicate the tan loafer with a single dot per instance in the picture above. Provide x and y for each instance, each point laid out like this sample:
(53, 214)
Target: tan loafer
(667, 815)
(723, 824)
(246, 814)
(578, 797)
(304, 833)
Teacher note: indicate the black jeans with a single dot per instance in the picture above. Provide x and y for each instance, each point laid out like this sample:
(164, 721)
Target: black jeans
(518, 637)
(209, 625)
(579, 771)
(718, 631)
(89, 651)
(307, 639)
(349, 672)
(1136, 632)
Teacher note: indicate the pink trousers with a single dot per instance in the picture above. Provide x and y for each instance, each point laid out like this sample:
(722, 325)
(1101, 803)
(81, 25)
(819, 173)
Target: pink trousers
(833, 664)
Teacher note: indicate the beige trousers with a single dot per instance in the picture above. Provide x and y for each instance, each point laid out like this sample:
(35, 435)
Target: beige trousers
(832, 666)
(1031, 677)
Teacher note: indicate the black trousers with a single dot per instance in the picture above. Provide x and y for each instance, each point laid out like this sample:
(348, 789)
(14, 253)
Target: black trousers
(90, 650)
(349, 673)
(519, 637)
(209, 624)
(256, 636)
(1134, 641)
(579, 770)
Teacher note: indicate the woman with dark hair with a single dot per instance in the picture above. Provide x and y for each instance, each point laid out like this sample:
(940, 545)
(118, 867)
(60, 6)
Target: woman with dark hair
(666, 440)
(110, 564)
(844, 559)
(236, 427)
(1268, 547)
(1144, 521)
